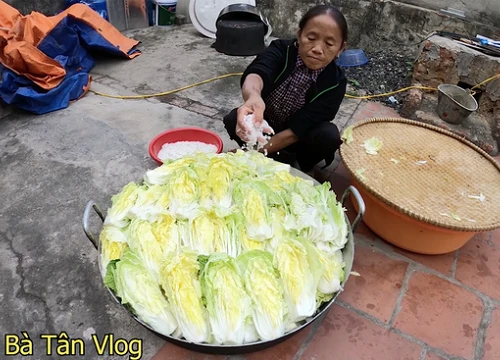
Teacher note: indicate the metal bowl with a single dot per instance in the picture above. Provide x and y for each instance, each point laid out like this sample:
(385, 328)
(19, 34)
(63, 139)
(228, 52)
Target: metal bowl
(348, 253)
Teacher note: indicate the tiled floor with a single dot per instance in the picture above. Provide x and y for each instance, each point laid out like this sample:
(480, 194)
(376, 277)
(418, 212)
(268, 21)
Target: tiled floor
(403, 306)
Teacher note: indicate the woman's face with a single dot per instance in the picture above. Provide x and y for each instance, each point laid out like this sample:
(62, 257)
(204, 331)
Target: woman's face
(320, 41)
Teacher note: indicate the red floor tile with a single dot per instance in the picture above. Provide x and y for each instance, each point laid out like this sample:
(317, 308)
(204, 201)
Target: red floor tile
(371, 109)
(492, 342)
(284, 351)
(377, 289)
(173, 352)
(365, 231)
(442, 314)
(339, 180)
(478, 266)
(441, 263)
(433, 356)
(495, 238)
(345, 335)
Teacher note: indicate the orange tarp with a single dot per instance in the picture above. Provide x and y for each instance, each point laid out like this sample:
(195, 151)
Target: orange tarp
(20, 35)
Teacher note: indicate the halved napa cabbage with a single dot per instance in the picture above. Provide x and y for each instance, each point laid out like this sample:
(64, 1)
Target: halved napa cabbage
(113, 242)
(338, 213)
(300, 269)
(121, 204)
(300, 214)
(238, 234)
(333, 273)
(166, 231)
(144, 243)
(263, 284)
(228, 303)
(136, 288)
(329, 233)
(219, 175)
(278, 216)
(179, 280)
(163, 174)
(145, 207)
(209, 233)
(255, 208)
(184, 193)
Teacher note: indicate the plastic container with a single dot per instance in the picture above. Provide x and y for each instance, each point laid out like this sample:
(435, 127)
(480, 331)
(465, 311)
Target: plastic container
(164, 12)
(149, 5)
(353, 57)
(183, 134)
(417, 189)
(98, 6)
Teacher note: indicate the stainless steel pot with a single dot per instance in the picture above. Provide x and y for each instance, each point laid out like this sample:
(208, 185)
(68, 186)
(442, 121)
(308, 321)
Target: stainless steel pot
(348, 253)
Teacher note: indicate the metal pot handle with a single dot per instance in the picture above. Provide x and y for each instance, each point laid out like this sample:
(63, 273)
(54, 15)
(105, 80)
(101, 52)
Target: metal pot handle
(85, 222)
(361, 205)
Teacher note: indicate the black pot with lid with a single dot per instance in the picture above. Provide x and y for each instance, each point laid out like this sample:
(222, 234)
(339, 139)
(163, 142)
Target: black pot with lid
(241, 30)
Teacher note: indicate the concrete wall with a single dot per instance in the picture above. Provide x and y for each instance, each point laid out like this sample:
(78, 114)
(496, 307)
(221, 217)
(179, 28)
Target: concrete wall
(47, 7)
(478, 10)
(375, 24)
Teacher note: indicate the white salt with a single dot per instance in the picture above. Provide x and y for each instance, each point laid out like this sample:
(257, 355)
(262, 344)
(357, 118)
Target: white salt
(256, 138)
(177, 150)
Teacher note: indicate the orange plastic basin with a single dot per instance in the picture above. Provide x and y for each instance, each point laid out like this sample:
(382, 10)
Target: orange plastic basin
(426, 190)
(405, 232)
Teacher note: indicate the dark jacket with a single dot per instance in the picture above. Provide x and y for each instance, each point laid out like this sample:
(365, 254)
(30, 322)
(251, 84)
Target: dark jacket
(323, 98)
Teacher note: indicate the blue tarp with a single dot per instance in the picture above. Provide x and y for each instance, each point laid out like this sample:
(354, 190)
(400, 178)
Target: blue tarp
(71, 43)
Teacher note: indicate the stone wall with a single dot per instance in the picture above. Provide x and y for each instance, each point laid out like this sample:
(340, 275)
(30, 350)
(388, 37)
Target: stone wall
(374, 24)
(441, 61)
(47, 7)
(445, 61)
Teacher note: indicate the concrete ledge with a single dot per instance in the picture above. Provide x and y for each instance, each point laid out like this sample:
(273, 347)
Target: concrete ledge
(476, 128)
(443, 60)
(374, 24)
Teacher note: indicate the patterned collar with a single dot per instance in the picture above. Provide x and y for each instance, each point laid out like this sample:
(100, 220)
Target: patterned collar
(304, 69)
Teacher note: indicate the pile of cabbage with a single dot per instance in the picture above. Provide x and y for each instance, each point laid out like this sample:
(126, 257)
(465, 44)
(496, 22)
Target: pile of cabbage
(224, 248)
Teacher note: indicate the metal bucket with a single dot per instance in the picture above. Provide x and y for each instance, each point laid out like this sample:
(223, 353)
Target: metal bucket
(455, 104)
(348, 253)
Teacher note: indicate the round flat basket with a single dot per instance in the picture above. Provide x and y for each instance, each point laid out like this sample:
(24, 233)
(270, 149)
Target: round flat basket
(426, 189)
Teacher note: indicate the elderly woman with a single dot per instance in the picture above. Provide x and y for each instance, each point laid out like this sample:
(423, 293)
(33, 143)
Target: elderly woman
(296, 86)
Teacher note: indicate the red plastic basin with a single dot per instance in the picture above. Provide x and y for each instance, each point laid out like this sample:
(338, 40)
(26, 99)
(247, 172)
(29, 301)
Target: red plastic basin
(183, 134)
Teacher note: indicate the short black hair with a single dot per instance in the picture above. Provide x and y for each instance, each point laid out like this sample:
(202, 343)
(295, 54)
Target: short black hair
(334, 13)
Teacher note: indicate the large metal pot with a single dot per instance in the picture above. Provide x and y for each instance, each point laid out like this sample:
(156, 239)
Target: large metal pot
(455, 104)
(348, 253)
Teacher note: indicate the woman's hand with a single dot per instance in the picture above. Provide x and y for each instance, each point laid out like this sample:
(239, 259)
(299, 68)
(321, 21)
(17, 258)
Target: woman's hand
(254, 105)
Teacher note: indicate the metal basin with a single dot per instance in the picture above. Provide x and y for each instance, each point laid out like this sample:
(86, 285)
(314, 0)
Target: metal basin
(348, 253)
(455, 104)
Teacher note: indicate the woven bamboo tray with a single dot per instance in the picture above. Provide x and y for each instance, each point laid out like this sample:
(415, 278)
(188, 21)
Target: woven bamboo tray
(426, 173)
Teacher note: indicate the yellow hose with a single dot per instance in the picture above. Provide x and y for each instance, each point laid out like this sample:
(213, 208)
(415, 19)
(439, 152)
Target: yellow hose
(166, 92)
(239, 74)
(390, 93)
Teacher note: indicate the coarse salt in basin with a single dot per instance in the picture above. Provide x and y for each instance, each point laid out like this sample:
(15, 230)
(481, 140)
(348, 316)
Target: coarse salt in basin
(177, 143)
(177, 150)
